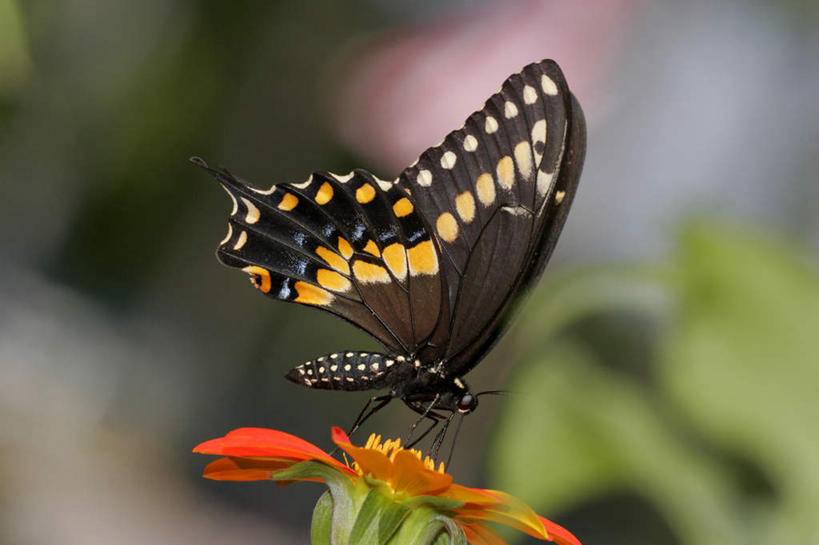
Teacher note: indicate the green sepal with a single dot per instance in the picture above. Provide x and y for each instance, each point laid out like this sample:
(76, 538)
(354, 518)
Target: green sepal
(322, 526)
(377, 520)
(425, 526)
(341, 514)
(434, 502)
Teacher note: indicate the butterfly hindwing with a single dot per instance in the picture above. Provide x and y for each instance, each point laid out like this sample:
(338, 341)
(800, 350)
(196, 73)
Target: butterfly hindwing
(352, 245)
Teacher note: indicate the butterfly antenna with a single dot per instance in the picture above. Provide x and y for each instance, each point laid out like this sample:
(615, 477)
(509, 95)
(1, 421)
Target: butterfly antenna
(493, 392)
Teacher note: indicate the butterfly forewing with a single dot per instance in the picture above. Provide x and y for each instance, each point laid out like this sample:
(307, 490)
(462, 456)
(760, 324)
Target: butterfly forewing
(488, 193)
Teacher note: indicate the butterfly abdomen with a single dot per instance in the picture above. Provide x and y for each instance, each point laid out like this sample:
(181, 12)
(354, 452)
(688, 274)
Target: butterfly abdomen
(352, 371)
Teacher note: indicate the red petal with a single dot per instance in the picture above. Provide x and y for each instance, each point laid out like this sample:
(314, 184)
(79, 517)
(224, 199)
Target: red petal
(237, 469)
(558, 534)
(265, 443)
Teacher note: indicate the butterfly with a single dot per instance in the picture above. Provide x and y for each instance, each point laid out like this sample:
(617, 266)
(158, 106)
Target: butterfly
(432, 264)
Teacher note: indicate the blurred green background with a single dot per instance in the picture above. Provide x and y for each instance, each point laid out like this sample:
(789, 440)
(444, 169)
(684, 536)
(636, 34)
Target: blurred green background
(663, 378)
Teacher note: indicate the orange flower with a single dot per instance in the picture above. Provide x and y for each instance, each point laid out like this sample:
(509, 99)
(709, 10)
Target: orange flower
(403, 476)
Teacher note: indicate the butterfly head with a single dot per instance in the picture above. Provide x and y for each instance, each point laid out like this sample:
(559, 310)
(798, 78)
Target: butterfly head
(460, 399)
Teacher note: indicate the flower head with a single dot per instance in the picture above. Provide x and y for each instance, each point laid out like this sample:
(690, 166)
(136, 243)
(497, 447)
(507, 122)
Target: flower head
(403, 481)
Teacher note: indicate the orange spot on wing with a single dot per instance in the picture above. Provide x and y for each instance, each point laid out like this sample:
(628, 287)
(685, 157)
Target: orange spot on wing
(261, 279)
(333, 259)
(368, 272)
(332, 280)
(422, 258)
(288, 202)
(345, 248)
(402, 207)
(396, 259)
(372, 249)
(324, 194)
(365, 194)
(312, 295)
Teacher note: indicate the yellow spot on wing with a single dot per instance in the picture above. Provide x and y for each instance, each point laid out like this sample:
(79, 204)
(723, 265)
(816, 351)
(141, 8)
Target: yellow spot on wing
(447, 227)
(523, 157)
(402, 207)
(312, 295)
(506, 172)
(396, 259)
(465, 205)
(559, 196)
(365, 194)
(333, 259)
(372, 249)
(240, 242)
(324, 194)
(486, 189)
(332, 280)
(422, 258)
(345, 248)
(368, 272)
(288, 202)
(262, 278)
(252, 212)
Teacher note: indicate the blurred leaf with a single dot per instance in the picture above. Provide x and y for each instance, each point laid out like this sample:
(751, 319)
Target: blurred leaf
(586, 432)
(743, 362)
(737, 357)
(15, 62)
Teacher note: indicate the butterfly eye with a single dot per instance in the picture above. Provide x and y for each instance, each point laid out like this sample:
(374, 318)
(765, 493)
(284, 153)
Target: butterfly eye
(467, 404)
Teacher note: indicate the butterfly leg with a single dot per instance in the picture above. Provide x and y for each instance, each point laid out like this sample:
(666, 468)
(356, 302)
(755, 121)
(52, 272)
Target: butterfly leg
(364, 415)
(439, 438)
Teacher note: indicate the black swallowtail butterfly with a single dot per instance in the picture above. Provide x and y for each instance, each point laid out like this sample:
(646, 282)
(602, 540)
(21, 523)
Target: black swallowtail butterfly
(431, 264)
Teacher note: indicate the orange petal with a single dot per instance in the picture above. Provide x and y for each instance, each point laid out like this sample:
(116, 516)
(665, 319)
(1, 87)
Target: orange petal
(370, 461)
(559, 534)
(239, 469)
(411, 477)
(480, 534)
(509, 511)
(468, 495)
(264, 443)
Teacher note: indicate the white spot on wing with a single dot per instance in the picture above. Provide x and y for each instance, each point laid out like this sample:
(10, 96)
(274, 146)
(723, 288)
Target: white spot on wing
(264, 191)
(424, 178)
(233, 200)
(229, 234)
(529, 94)
(548, 85)
(544, 181)
(470, 143)
(448, 160)
(510, 110)
(240, 242)
(305, 183)
(344, 179)
(491, 125)
(252, 212)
